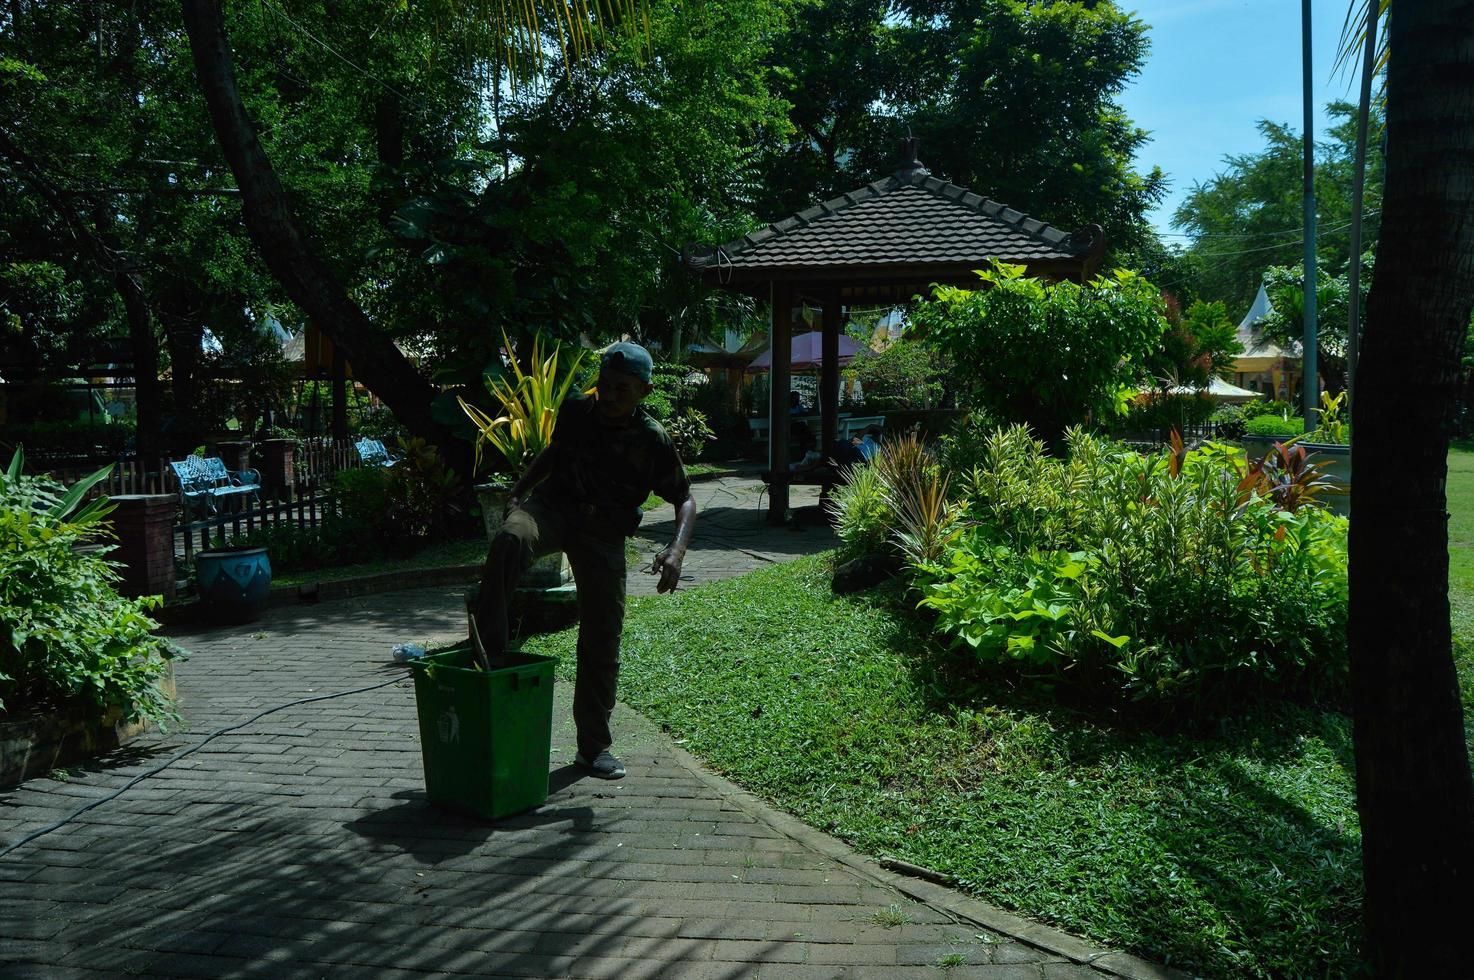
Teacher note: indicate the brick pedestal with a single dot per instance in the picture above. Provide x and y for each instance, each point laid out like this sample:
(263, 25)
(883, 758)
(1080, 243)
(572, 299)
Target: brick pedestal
(277, 461)
(235, 453)
(145, 527)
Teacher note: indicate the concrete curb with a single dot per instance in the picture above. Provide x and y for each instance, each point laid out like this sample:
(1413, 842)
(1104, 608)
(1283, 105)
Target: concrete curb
(185, 613)
(1110, 962)
(347, 588)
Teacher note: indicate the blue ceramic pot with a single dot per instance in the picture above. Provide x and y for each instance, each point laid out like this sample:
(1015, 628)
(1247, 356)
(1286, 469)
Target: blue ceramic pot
(234, 583)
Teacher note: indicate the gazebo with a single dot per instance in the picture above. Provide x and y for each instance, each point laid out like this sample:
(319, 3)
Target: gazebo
(885, 242)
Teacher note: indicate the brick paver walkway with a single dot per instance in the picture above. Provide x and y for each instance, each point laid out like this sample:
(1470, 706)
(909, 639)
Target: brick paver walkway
(732, 535)
(302, 846)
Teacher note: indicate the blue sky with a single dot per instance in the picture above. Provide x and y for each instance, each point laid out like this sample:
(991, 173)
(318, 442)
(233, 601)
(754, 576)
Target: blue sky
(1215, 68)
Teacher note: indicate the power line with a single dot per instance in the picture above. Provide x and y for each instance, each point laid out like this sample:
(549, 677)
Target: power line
(1257, 235)
(1270, 248)
(342, 57)
(1219, 265)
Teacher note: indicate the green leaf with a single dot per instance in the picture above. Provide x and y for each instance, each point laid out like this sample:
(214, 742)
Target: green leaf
(64, 506)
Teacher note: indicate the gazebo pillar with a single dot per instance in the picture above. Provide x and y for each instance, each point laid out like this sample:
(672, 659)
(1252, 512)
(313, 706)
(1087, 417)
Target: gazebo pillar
(778, 411)
(829, 372)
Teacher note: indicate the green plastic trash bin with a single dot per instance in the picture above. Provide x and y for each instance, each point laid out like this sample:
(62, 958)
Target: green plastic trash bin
(485, 735)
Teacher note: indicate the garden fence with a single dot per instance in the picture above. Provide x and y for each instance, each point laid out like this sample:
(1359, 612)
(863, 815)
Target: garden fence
(1151, 439)
(315, 461)
(304, 504)
(302, 501)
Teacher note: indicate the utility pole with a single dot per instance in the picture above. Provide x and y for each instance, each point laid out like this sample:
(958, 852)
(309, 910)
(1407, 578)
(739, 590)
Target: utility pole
(1309, 383)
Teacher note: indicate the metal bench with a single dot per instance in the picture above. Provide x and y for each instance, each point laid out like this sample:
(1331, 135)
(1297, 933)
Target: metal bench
(373, 453)
(204, 482)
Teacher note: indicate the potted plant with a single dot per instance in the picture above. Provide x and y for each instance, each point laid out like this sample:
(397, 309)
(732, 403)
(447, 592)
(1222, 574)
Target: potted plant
(234, 582)
(1331, 443)
(529, 401)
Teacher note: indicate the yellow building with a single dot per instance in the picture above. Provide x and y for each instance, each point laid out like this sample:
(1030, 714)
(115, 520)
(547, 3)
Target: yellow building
(1264, 366)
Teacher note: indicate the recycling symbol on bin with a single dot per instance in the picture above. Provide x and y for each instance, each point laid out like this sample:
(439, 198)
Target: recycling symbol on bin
(450, 726)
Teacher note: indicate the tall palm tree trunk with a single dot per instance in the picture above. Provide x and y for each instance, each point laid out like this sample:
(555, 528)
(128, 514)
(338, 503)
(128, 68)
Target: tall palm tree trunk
(1414, 789)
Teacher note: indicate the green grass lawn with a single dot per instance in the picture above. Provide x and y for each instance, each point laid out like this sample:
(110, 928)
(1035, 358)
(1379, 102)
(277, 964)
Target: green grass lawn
(1461, 572)
(1235, 853)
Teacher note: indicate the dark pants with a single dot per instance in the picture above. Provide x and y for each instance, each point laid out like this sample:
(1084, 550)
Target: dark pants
(537, 528)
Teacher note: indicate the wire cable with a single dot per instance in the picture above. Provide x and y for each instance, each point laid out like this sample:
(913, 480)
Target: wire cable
(58, 824)
(342, 57)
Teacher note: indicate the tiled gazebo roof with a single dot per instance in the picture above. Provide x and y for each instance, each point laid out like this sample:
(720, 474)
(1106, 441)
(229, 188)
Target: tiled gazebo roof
(909, 222)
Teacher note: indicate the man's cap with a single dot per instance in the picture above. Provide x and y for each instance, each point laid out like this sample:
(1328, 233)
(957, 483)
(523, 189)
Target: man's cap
(628, 358)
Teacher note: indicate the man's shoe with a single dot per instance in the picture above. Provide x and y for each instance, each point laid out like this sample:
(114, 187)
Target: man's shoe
(603, 765)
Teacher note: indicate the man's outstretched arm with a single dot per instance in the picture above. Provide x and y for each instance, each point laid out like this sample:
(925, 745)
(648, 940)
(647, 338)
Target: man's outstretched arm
(668, 563)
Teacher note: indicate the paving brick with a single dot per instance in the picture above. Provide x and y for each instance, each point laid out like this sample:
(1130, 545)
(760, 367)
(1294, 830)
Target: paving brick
(759, 951)
(303, 845)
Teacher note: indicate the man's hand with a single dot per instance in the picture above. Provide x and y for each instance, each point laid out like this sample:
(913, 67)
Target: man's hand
(667, 565)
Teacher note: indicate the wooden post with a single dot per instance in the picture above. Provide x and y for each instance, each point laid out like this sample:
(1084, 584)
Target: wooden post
(829, 372)
(778, 414)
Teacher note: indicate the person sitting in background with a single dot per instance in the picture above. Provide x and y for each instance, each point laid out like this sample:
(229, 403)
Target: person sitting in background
(796, 403)
(869, 444)
(805, 446)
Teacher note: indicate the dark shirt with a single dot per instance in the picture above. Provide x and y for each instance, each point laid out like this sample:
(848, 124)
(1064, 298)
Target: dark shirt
(613, 465)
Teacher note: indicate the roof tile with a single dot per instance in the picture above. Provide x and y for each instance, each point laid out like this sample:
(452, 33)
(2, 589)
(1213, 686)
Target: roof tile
(903, 219)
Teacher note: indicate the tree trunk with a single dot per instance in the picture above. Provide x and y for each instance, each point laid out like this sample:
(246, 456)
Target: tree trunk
(183, 333)
(148, 389)
(1415, 794)
(339, 385)
(273, 227)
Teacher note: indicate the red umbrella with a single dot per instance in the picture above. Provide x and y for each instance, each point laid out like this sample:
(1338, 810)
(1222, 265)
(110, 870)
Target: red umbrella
(807, 351)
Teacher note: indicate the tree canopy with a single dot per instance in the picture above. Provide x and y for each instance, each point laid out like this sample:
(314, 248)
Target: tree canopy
(1249, 217)
(1015, 100)
(446, 204)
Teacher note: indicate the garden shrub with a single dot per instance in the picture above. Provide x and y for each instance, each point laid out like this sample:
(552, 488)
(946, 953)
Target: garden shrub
(898, 503)
(102, 440)
(1274, 425)
(862, 515)
(915, 490)
(372, 512)
(1158, 411)
(378, 423)
(903, 374)
(690, 434)
(67, 639)
(1278, 407)
(294, 548)
(1048, 354)
(672, 390)
(1159, 576)
(1230, 420)
(963, 447)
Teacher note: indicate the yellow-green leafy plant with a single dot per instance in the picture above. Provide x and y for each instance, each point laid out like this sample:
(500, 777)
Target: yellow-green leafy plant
(529, 400)
(1334, 428)
(916, 493)
(862, 514)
